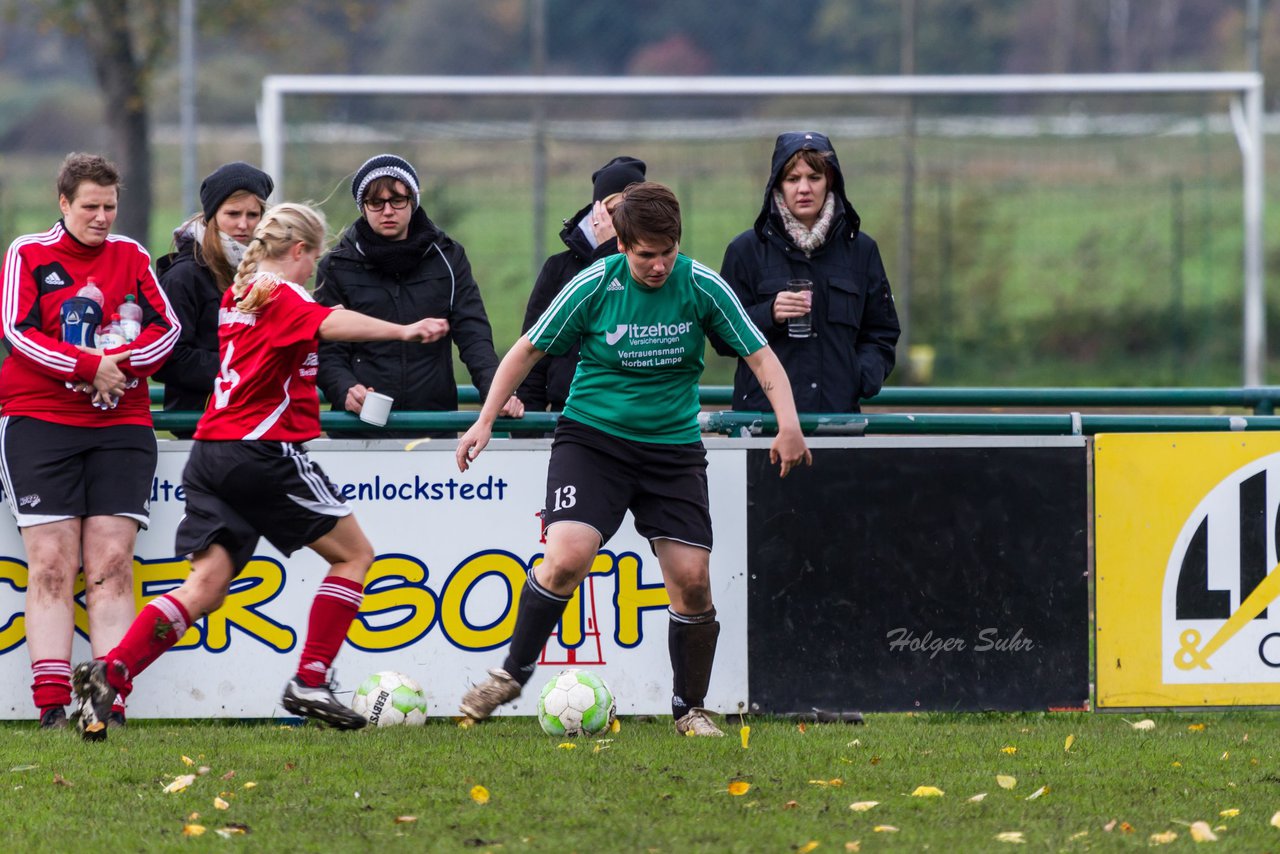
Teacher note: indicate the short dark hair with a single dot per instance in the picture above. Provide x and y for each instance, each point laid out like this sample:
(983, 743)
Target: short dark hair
(818, 161)
(648, 211)
(78, 168)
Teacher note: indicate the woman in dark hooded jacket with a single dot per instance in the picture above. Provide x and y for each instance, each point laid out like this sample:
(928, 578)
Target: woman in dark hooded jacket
(394, 263)
(207, 249)
(589, 236)
(807, 229)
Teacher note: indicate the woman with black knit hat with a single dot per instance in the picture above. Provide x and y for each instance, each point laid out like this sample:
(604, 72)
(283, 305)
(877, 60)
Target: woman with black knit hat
(207, 249)
(394, 263)
(589, 236)
(808, 230)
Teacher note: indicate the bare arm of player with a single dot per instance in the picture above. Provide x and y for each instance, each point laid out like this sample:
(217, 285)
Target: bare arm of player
(788, 446)
(342, 324)
(512, 370)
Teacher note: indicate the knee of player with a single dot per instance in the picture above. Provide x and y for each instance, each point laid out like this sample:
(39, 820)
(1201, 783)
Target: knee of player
(696, 596)
(113, 576)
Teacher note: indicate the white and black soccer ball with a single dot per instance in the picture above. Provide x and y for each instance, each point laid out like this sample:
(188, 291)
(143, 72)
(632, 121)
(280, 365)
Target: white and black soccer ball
(388, 698)
(576, 702)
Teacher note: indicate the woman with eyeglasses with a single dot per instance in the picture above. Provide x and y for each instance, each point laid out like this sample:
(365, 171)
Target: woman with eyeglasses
(394, 263)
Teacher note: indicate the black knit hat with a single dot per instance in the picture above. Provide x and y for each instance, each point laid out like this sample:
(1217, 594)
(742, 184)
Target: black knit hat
(615, 176)
(228, 178)
(384, 166)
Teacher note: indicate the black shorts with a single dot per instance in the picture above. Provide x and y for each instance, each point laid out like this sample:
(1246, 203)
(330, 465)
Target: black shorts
(53, 472)
(237, 492)
(595, 478)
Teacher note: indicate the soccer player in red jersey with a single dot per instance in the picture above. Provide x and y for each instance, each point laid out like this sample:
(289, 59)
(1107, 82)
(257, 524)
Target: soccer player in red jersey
(77, 446)
(249, 475)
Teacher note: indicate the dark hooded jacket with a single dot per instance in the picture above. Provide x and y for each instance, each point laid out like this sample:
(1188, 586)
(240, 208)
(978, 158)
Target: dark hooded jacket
(191, 368)
(547, 386)
(425, 275)
(854, 319)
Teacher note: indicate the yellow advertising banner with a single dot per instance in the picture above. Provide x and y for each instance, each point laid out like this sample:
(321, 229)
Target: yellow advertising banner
(1185, 533)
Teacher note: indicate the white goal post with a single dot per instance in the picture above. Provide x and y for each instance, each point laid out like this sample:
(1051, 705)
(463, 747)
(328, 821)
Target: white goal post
(1245, 89)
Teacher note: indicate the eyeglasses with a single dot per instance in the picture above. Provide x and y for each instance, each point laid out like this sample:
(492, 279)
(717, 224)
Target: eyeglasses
(397, 203)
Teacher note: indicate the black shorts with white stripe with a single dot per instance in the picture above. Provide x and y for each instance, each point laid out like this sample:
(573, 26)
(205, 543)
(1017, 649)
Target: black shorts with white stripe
(53, 472)
(237, 492)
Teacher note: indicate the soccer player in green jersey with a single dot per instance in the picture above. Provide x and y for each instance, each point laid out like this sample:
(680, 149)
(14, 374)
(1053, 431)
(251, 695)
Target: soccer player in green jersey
(629, 439)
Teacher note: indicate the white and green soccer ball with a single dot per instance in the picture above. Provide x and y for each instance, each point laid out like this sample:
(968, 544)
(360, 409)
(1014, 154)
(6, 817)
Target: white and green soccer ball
(391, 699)
(576, 702)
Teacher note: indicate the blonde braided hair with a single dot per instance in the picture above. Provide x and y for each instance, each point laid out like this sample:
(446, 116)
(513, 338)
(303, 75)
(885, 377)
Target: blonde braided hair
(281, 228)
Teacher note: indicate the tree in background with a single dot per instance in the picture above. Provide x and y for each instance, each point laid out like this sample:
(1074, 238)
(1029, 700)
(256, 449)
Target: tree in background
(128, 41)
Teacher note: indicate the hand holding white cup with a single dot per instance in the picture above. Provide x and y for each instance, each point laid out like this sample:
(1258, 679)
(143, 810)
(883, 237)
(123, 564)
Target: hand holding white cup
(376, 408)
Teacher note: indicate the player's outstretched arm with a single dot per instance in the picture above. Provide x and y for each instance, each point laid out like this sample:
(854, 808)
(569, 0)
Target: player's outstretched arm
(345, 325)
(788, 448)
(512, 370)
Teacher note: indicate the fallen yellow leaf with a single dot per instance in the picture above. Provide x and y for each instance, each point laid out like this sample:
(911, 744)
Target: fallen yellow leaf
(1195, 727)
(250, 785)
(1110, 826)
(1125, 827)
(187, 760)
(1229, 813)
(1201, 832)
(978, 798)
(1162, 838)
(1081, 835)
(863, 806)
(790, 805)
(179, 783)
(194, 817)
(739, 787)
(480, 794)
(1177, 764)
(745, 734)
(193, 830)
(1275, 820)
(1144, 724)
(1014, 836)
(406, 819)
(219, 803)
(466, 723)
(855, 845)
(927, 792)
(1071, 739)
(566, 745)
(1043, 790)
(1005, 781)
(232, 830)
(615, 726)
(807, 847)
(1226, 754)
(1009, 749)
(801, 727)
(884, 828)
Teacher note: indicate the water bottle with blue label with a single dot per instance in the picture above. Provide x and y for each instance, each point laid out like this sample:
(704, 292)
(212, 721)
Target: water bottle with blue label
(82, 315)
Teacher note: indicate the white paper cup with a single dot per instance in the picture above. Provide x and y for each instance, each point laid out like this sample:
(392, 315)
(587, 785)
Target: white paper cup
(376, 408)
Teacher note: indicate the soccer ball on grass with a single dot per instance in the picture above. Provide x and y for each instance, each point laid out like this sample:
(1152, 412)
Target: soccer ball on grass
(575, 702)
(388, 698)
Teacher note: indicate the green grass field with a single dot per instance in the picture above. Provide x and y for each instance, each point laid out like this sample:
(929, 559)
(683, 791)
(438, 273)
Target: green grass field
(1103, 786)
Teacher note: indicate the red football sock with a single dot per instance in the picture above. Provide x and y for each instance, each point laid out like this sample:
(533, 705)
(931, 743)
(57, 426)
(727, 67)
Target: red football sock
(335, 606)
(157, 627)
(52, 683)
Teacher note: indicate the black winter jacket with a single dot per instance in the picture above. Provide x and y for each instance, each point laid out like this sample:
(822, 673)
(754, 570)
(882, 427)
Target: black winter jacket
(192, 367)
(547, 386)
(854, 319)
(418, 376)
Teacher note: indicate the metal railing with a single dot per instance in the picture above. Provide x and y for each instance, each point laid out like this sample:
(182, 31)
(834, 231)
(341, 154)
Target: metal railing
(1262, 400)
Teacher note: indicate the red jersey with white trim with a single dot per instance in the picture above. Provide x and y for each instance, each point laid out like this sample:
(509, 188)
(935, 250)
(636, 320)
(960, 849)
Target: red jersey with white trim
(41, 272)
(266, 385)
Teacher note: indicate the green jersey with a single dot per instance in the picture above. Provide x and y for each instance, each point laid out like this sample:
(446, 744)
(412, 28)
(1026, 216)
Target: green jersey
(642, 347)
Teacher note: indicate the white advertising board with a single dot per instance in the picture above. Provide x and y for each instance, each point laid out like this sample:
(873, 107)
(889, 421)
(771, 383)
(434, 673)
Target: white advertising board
(452, 550)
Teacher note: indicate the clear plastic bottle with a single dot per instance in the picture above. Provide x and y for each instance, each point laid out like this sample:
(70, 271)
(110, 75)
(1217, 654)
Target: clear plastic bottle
(112, 335)
(130, 318)
(92, 291)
